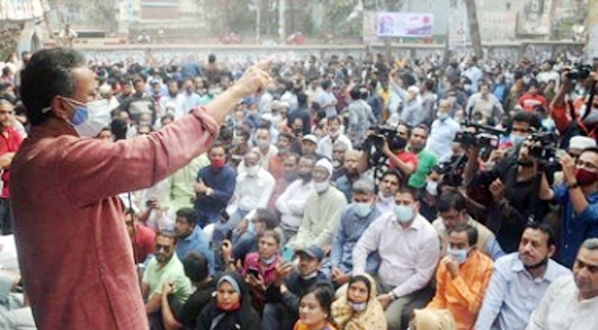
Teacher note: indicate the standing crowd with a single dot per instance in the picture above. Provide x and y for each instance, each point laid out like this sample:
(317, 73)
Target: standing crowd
(354, 194)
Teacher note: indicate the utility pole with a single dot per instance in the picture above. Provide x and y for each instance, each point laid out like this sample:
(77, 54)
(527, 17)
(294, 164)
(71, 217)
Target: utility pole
(281, 21)
(592, 28)
(474, 28)
(258, 22)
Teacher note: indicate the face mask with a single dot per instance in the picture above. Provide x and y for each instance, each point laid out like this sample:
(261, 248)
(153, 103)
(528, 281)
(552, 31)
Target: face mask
(89, 120)
(218, 163)
(310, 276)
(517, 140)
(443, 116)
(334, 134)
(262, 144)
(432, 188)
(306, 177)
(282, 151)
(459, 254)
(321, 186)
(268, 261)
(585, 177)
(358, 307)
(252, 170)
(362, 209)
(289, 177)
(403, 213)
(337, 163)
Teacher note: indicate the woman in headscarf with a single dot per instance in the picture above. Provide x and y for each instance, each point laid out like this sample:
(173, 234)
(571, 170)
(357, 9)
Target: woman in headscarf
(231, 307)
(432, 319)
(359, 309)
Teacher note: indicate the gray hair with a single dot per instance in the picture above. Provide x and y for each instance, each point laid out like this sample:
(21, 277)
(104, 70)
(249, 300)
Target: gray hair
(253, 152)
(340, 145)
(364, 186)
(590, 244)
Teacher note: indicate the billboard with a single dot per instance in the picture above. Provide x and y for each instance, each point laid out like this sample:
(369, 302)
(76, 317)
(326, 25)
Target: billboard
(404, 25)
(16, 10)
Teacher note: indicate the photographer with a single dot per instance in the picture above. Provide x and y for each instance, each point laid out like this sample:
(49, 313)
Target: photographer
(571, 123)
(578, 197)
(514, 184)
(399, 158)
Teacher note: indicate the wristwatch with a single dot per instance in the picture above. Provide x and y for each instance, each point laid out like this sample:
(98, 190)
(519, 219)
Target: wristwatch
(392, 296)
(573, 185)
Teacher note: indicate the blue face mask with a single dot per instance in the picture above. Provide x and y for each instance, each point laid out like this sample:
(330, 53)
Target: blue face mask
(80, 115)
(403, 213)
(517, 140)
(362, 209)
(459, 254)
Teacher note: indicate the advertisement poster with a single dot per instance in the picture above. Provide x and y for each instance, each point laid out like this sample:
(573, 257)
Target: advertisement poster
(404, 25)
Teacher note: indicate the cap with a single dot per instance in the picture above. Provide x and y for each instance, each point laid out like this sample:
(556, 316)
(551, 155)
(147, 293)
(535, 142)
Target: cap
(581, 142)
(267, 117)
(313, 251)
(311, 138)
(276, 105)
(325, 163)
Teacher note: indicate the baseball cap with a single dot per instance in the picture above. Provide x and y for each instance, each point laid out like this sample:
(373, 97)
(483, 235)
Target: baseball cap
(313, 251)
(311, 138)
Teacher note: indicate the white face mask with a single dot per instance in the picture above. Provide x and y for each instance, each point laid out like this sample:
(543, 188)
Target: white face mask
(98, 117)
(252, 170)
(320, 187)
(432, 188)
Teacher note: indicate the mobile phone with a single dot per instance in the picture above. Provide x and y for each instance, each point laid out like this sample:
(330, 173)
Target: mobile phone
(253, 272)
(287, 254)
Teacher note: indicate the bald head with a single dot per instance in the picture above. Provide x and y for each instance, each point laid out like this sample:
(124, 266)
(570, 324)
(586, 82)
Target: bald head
(352, 158)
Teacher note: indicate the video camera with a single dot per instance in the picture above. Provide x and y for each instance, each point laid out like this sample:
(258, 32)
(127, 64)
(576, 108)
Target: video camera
(485, 136)
(382, 133)
(579, 72)
(544, 149)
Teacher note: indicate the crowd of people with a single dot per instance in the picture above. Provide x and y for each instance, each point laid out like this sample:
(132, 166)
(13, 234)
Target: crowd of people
(353, 194)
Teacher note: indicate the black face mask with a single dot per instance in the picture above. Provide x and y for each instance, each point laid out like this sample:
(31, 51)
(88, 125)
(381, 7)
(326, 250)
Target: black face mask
(542, 263)
(525, 163)
(290, 177)
(306, 177)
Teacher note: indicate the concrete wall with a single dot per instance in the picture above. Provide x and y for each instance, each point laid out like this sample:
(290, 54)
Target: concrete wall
(164, 54)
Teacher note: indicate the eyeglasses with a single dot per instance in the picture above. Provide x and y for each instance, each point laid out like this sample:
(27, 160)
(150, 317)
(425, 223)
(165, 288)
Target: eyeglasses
(588, 165)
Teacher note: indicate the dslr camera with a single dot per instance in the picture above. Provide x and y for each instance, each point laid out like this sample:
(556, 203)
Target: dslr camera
(579, 72)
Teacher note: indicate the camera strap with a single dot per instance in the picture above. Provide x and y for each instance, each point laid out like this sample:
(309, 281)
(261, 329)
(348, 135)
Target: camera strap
(590, 102)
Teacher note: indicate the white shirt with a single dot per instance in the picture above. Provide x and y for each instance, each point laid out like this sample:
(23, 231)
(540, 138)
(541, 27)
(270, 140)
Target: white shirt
(385, 204)
(408, 256)
(325, 145)
(441, 138)
(546, 76)
(560, 309)
(253, 192)
(179, 104)
(291, 204)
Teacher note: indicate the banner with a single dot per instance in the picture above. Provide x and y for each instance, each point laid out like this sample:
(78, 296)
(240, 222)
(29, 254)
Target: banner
(16, 10)
(404, 25)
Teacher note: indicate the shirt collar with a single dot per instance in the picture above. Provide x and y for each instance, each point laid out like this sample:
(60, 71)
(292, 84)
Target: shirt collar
(549, 275)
